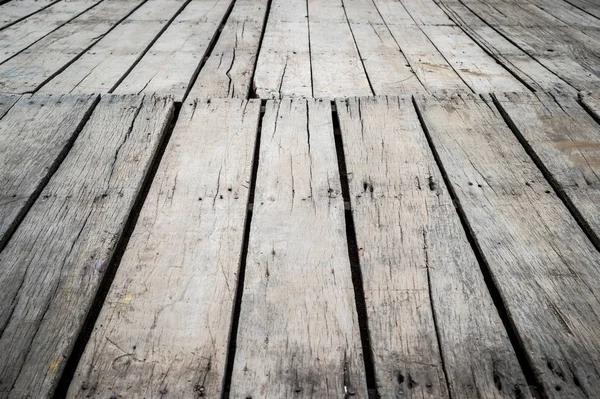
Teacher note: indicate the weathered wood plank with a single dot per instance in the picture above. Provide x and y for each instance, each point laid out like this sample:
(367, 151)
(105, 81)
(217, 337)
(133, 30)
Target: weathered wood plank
(337, 68)
(171, 301)
(521, 64)
(298, 330)
(416, 262)
(34, 138)
(388, 69)
(591, 100)
(101, 68)
(545, 268)
(54, 262)
(17, 10)
(283, 67)
(7, 101)
(35, 65)
(23, 34)
(588, 6)
(173, 61)
(566, 140)
(228, 71)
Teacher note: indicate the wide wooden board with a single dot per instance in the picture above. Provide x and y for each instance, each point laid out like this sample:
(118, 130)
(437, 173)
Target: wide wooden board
(40, 62)
(34, 138)
(165, 324)
(298, 329)
(421, 277)
(229, 68)
(544, 266)
(16, 10)
(103, 66)
(56, 259)
(171, 64)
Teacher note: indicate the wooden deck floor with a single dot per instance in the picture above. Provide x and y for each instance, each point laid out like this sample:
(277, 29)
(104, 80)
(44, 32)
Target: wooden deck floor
(300, 198)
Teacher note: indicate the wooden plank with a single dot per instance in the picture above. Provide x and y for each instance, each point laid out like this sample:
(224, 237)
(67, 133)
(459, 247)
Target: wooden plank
(283, 67)
(17, 10)
(101, 68)
(34, 138)
(589, 6)
(337, 68)
(549, 283)
(432, 69)
(6, 102)
(48, 56)
(171, 301)
(528, 69)
(298, 331)
(591, 101)
(388, 69)
(171, 64)
(566, 140)
(418, 269)
(23, 34)
(56, 259)
(228, 71)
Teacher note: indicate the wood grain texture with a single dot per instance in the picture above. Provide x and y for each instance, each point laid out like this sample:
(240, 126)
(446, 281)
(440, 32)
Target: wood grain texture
(298, 330)
(283, 67)
(416, 263)
(34, 138)
(172, 62)
(23, 34)
(337, 67)
(100, 68)
(589, 6)
(165, 325)
(566, 140)
(545, 268)
(41, 61)
(7, 101)
(228, 71)
(56, 259)
(16, 10)
(591, 101)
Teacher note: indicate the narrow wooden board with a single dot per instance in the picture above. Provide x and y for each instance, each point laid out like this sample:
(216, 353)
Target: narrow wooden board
(167, 317)
(337, 68)
(418, 269)
(283, 67)
(17, 10)
(589, 6)
(544, 266)
(23, 34)
(228, 71)
(101, 68)
(48, 56)
(388, 69)
(34, 138)
(591, 101)
(529, 70)
(171, 64)
(56, 259)
(566, 140)
(298, 330)
(7, 101)
(432, 69)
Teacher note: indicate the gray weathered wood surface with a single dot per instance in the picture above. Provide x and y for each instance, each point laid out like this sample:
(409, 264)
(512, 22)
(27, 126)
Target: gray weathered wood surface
(544, 266)
(15, 10)
(165, 324)
(419, 271)
(35, 135)
(54, 262)
(298, 330)
(566, 140)
(7, 101)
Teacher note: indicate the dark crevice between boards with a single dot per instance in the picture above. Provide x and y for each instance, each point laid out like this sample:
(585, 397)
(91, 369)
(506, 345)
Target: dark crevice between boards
(16, 21)
(52, 31)
(560, 193)
(78, 56)
(587, 109)
(237, 305)
(252, 88)
(522, 355)
(357, 281)
(581, 9)
(209, 49)
(49, 173)
(88, 325)
(149, 46)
